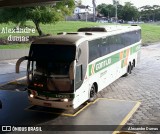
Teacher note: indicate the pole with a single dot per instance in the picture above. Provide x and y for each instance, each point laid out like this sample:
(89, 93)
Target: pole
(116, 13)
(86, 13)
(94, 9)
(86, 16)
(115, 3)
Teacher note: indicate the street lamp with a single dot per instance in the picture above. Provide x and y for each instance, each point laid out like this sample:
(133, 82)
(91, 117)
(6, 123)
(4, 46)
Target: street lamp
(115, 2)
(116, 13)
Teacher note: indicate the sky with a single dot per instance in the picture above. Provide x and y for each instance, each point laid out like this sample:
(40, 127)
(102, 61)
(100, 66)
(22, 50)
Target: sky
(137, 3)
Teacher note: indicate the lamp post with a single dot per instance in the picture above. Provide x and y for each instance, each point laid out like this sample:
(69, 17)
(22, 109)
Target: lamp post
(115, 3)
(116, 13)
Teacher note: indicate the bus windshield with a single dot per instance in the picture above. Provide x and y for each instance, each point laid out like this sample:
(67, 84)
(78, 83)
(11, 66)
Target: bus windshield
(56, 53)
(49, 65)
(52, 59)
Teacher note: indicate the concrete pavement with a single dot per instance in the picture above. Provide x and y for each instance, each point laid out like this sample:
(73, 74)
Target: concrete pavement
(7, 71)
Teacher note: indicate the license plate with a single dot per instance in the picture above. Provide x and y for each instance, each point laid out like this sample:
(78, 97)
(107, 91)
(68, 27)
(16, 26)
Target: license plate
(47, 104)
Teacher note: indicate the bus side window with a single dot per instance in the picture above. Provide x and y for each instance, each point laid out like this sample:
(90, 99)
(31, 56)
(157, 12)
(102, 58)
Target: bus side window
(112, 44)
(125, 38)
(104, 47)
(94, 49)
(139, 35)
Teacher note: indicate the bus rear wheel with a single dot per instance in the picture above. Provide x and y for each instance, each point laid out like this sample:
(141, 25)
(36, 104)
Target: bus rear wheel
(92, 93)
(133, 64)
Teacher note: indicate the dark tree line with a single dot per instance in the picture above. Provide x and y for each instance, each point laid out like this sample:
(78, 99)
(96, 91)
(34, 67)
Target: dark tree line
(150, 13)
(129, 12)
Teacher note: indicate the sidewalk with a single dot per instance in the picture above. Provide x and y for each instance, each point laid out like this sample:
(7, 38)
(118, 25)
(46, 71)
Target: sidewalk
(7, 71)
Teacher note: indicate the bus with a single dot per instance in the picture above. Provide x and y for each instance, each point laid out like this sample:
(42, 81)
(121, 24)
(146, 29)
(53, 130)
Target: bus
(68, 69)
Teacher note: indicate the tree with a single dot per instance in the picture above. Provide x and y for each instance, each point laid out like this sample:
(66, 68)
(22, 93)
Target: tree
(106, 10)
(37, 14)
(120, 12)
(149, 13)
(42, 14)
(129, 12)
(146, 13)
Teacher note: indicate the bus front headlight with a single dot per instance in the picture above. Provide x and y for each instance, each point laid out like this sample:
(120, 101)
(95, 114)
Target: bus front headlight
(65, 100)
(31, 95)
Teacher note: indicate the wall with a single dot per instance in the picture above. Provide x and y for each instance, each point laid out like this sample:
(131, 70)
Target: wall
(8, 54)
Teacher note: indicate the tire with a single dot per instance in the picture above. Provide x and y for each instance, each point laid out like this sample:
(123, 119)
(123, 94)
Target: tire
(132, 66)
(129, 70)
(92, 94)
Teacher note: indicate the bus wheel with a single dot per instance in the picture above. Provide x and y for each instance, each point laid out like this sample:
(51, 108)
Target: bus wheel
(129, 70)
(92, 94)
(133, 64)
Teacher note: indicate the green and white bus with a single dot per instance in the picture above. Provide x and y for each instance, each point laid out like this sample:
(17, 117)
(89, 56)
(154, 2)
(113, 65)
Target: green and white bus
(67, 69)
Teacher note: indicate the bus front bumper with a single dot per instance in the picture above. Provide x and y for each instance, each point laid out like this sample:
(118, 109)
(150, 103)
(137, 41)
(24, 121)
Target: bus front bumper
(52, 104)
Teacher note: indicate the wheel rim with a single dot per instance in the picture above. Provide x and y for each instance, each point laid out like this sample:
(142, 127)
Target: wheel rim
(92, 92)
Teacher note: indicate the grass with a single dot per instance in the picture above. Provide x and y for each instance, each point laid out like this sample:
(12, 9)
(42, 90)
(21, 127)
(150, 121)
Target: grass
(15, 46)
(150, 32)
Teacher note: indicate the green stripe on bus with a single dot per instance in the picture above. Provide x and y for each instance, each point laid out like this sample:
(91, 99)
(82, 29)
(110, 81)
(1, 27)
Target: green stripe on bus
(136, 48)
(122, 64)
(125, 54)
(102, 64)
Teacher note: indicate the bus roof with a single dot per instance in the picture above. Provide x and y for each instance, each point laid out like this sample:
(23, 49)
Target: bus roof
(84, 34)
(58, 39)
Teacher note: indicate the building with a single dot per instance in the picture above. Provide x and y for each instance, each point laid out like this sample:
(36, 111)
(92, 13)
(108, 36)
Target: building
(82, 9)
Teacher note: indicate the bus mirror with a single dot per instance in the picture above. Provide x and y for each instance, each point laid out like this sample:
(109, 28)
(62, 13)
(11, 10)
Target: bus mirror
(19, 62)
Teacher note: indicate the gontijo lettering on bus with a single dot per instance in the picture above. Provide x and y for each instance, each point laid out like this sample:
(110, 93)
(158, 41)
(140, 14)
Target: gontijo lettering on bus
(100, 65)
(123, 56)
